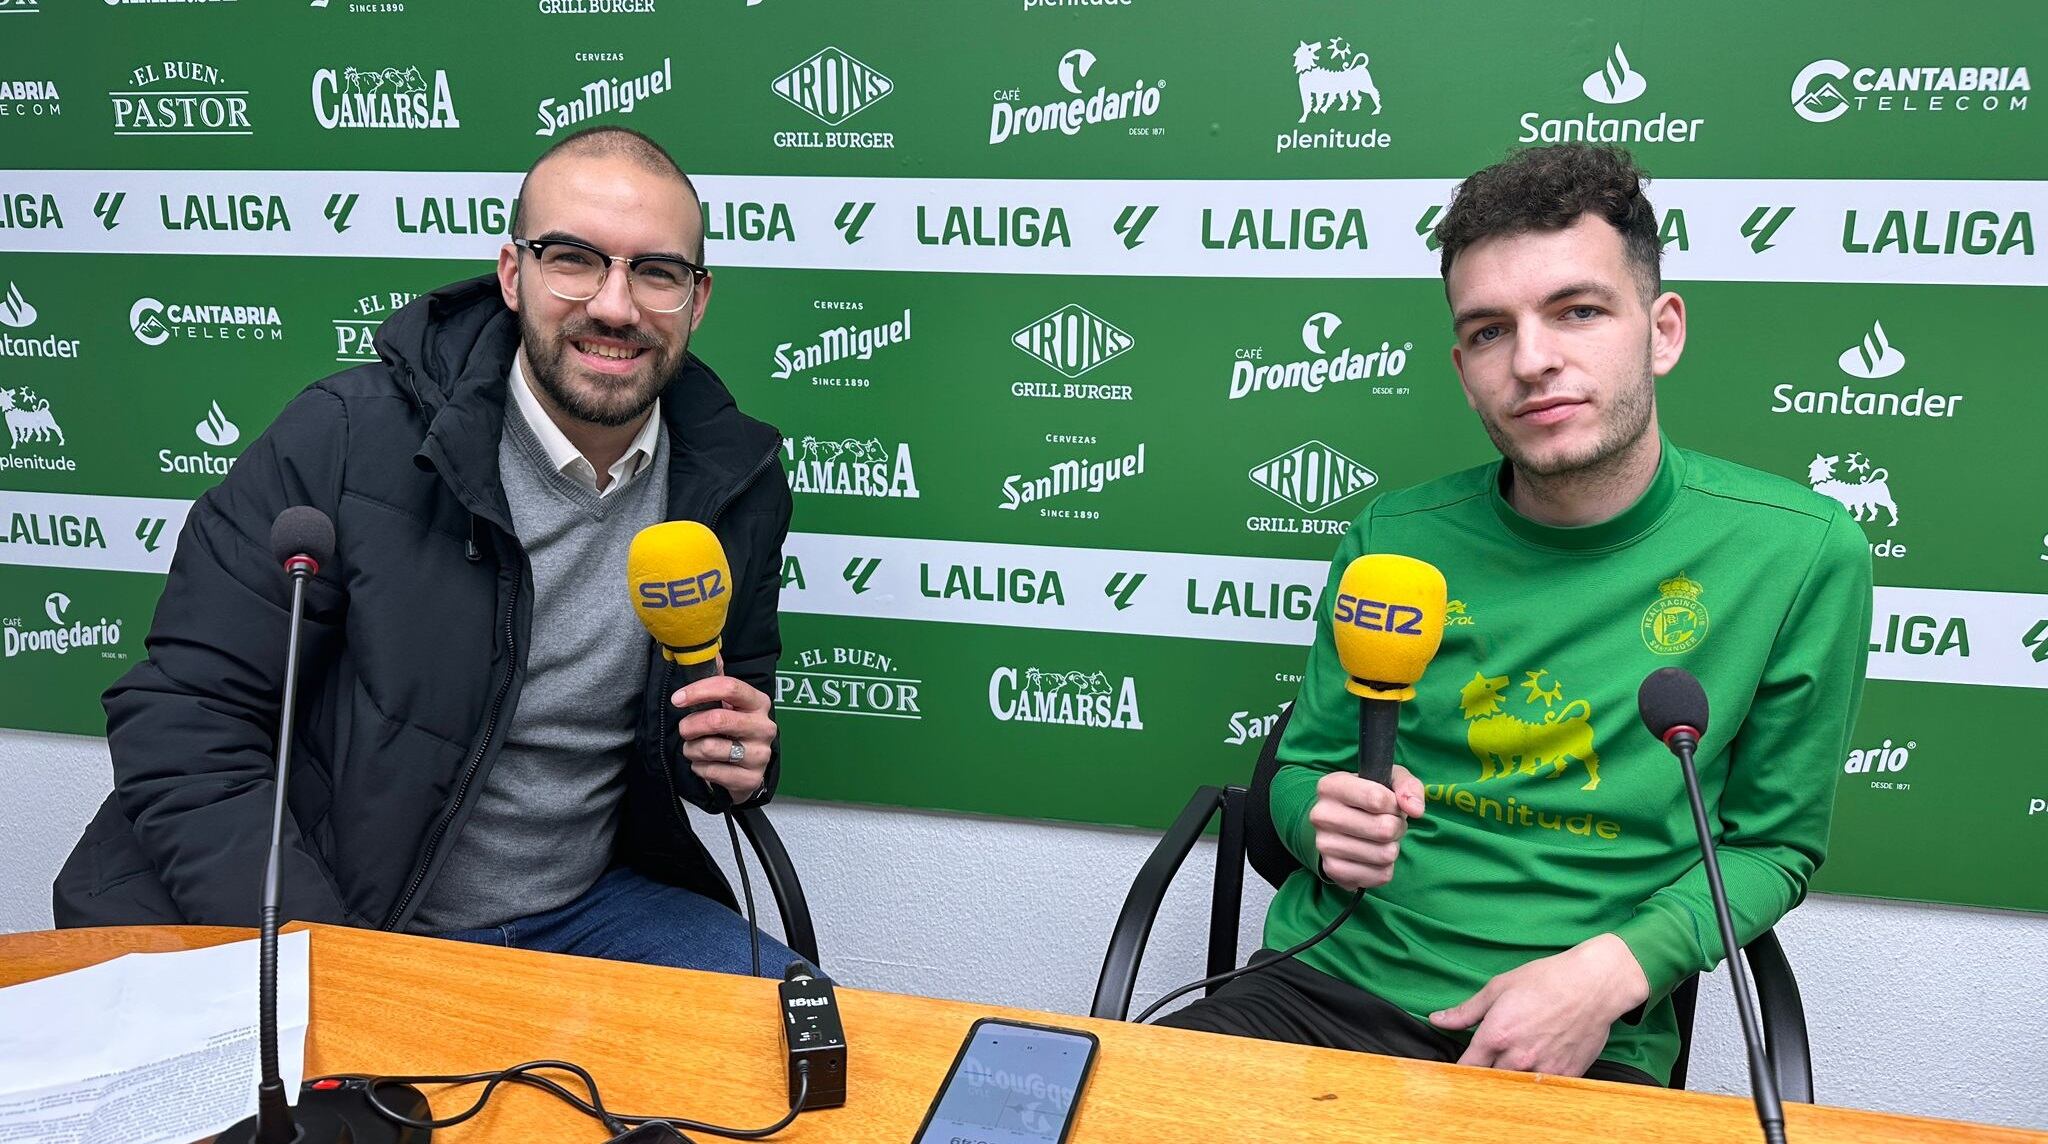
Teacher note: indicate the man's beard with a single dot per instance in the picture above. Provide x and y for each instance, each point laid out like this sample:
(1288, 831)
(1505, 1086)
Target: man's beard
(620, 401)
(1623, 424)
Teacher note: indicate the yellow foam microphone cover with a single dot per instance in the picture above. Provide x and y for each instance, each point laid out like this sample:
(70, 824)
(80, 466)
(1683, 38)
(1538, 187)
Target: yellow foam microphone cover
(1388, 619)
(681, 588)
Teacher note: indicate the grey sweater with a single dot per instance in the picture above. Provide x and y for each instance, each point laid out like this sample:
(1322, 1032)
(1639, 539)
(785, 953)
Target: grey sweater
(540, 831)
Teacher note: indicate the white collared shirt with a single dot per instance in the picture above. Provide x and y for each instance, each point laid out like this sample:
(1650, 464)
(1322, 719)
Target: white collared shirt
(564, 456)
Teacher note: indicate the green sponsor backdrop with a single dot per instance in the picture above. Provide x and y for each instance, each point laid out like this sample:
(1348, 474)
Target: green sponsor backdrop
(945, 270)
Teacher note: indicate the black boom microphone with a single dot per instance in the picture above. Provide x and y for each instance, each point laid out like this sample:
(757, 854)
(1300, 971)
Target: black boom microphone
(333, 1110)
(1674, 708)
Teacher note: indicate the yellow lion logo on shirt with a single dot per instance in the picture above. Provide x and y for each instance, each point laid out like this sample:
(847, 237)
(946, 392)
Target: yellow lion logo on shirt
(1506, 744)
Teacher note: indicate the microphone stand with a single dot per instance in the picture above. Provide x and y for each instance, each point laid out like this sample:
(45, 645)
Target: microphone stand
(330, 1110)
(273, 1113)
(1762, 1082)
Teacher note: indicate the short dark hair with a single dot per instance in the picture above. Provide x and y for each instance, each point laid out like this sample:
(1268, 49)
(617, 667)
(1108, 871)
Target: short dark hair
(1549, 188)
(612, 141)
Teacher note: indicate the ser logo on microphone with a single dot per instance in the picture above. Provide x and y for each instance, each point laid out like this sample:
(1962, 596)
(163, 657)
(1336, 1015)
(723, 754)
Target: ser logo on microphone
(681, 593)
(1378, 616)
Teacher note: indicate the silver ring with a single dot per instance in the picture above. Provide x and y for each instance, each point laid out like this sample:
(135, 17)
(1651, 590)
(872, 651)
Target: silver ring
(737, 752)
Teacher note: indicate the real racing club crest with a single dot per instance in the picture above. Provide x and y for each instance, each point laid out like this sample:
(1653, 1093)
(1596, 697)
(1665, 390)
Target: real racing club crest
(1677, 622)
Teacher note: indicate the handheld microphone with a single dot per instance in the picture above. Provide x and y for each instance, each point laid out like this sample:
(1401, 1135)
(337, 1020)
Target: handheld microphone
(682, 588)
(1674, 708)
(301, 540)
(1388, 620)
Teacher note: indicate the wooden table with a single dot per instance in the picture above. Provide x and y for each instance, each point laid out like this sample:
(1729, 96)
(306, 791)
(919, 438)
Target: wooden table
(707, 1046)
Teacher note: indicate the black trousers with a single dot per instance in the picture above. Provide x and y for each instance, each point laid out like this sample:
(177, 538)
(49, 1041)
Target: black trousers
(1291, 1002)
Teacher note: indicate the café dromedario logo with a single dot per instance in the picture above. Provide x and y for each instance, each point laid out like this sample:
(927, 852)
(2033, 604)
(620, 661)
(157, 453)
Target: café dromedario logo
(1012, 115)
(66, 632)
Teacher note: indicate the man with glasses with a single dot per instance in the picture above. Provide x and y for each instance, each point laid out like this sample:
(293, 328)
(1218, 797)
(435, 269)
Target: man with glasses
(487, 745)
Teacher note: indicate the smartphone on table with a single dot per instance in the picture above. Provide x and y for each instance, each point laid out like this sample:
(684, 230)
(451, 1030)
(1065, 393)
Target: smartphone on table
(1011, 1083)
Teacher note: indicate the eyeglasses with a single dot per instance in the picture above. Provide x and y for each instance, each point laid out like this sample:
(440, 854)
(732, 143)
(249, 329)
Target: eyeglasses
(575, 272)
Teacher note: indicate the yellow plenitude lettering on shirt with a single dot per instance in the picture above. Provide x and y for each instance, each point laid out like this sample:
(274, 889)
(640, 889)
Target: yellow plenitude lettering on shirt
(1515, 813)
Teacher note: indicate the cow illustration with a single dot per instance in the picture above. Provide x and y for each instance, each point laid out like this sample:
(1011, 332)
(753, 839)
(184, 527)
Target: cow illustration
(369, 81)
(866, 452)
(1086, 683)
(1077, 682)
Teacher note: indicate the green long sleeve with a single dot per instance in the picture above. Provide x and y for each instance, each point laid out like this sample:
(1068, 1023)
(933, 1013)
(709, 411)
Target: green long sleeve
(1770, 834)
(1552, 815)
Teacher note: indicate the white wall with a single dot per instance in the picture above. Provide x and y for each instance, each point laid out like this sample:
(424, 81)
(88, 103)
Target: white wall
(1923, 1009)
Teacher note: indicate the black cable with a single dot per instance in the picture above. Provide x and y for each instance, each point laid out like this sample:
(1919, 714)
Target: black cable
(613, 1122)
(593, 1107)
(796, 1105)
(1241, 970)
(517, 1074)
(747, 889)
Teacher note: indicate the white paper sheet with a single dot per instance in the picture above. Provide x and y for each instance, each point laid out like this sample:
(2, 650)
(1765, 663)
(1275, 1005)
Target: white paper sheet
(149, 1048)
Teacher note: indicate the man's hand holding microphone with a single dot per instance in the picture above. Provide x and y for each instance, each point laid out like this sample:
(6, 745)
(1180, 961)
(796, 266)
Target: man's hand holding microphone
(682, 588)
(1388, 621)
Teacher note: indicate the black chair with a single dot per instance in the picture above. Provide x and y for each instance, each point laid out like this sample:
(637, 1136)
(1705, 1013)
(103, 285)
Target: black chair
(790, 903)
(1246, 833)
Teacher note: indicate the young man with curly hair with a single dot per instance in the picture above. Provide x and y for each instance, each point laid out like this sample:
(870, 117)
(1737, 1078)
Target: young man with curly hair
(1533, 884)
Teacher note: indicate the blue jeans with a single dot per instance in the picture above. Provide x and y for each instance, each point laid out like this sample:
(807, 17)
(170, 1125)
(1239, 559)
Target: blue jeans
(628, 917)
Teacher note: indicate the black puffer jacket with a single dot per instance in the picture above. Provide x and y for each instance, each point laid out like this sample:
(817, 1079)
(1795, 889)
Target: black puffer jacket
(414, 646)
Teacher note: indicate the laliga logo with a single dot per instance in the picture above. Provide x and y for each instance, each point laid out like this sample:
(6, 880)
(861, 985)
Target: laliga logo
(1378, 616)
(1320, 325)
(683, 593)
(1074, 67)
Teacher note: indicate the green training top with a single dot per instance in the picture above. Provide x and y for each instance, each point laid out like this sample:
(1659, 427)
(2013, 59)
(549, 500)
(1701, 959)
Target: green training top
(1553, 816)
